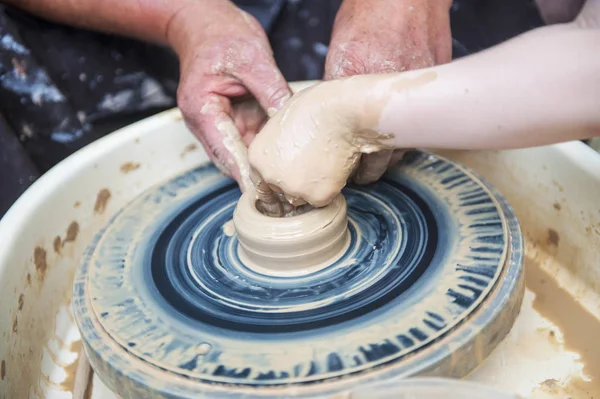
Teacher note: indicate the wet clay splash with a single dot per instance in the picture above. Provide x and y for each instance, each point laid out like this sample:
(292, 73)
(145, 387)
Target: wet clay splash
(89, 389)
(57, 245)
(188, 148)
(553, 237)
(71, 236)
(71, 370)
(101, 201)
(72, 232)
(39, 259)
(580, 329)
(129, 167)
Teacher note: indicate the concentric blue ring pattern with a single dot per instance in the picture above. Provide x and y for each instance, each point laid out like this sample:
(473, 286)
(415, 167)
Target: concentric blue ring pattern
(164, 281)
(216, 288)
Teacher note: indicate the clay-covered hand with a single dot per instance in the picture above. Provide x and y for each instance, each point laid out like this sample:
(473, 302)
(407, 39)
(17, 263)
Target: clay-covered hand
(310, 148)
(229, 80)
(382, 36)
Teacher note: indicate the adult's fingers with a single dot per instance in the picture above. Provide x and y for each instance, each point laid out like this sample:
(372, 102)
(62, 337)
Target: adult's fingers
(264, 80)
(249, 117)
(229, 149)
(372, 167)
(212, 124)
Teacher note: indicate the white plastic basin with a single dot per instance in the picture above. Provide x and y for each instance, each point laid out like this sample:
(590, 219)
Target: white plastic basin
(555, 191)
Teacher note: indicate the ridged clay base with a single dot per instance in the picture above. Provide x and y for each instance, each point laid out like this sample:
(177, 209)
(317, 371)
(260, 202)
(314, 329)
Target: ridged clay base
(290, 246)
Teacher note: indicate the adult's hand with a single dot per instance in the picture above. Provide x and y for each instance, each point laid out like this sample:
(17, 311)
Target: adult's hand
(229, 80)
(382, 36)
(225, 59)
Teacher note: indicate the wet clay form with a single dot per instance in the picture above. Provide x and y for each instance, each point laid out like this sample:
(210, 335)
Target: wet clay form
(290, 246)
(426, 279)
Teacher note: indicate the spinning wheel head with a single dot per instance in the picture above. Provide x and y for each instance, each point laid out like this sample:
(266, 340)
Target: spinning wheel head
(425, 265)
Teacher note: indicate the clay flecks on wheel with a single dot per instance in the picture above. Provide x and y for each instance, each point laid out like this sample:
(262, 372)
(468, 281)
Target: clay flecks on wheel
(163, 293)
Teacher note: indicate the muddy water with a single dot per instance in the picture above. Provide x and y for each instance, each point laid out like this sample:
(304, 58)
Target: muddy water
(581, 332)
(87, 394)
(71, 370)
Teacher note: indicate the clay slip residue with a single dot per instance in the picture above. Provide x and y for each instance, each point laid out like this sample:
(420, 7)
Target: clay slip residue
(188, 148)
(71, 236)
(71, 370)
(128, 167)
(39, 259)
(560, 188)
(21, 301)
(57, 244)
(2, 370)
(580, 330)
(378, 102)
(551, 385)
(553, 237)
(101, 201)
(87, 394)
(72, 232)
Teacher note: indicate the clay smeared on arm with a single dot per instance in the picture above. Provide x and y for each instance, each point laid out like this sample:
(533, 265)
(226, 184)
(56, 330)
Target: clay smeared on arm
(538, 89)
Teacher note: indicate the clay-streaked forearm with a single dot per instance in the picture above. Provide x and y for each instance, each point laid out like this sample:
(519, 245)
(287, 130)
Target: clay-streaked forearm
(540, 88)
(143, 19)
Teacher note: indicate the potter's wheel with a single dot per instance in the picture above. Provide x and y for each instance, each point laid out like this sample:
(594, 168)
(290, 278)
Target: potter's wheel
(429, 284)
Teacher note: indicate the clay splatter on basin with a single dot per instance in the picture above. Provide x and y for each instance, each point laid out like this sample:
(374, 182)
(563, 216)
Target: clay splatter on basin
(430, 282)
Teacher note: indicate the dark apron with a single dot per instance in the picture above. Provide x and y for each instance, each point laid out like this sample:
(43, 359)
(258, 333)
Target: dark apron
(62, 88)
